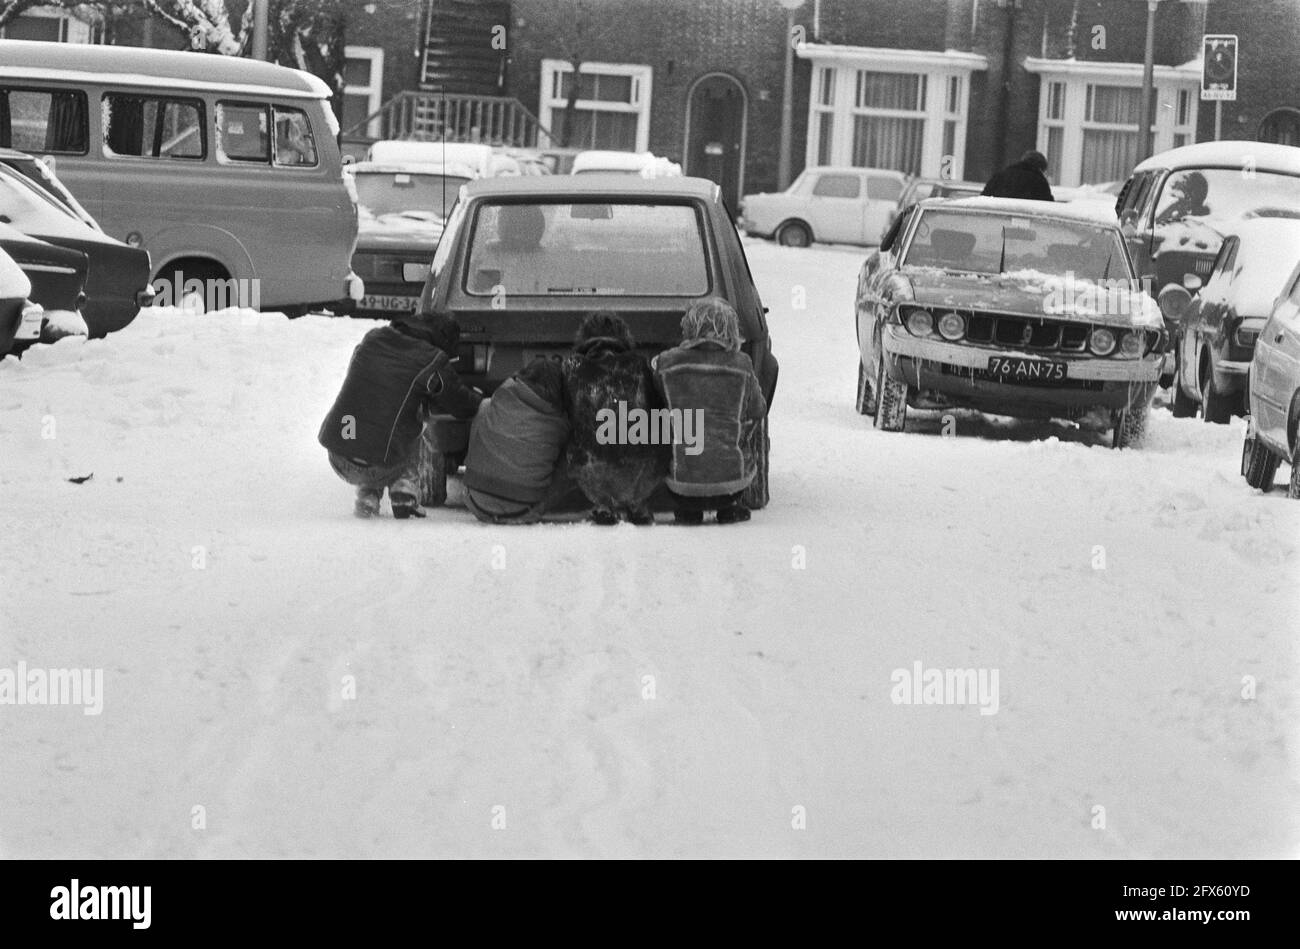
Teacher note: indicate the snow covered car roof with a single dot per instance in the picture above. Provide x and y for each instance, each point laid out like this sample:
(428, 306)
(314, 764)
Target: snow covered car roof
(458, 169)
(1262, 156)
(137, 66)
(1085, 212)
(591, 185)
(594, 162)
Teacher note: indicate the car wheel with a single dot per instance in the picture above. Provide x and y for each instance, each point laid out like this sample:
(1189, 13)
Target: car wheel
(866, 392)
(891, 401)
(794, 234)
(1182, 405)
(1293, 486)
(1130, 426)
(756, 496)
(432, 467)
(1258, 464)
(1215, 406)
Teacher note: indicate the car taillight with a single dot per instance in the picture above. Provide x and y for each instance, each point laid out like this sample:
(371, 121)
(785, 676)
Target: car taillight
(952, 326)
(919, 322)
(1102, 341)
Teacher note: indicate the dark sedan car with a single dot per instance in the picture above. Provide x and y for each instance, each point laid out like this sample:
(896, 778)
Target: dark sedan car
(117, 283)
(1219, 324)
(20, 318)
(1019, 308)
(57, 275)
(401, 211)
(38, 172)
(643, 248)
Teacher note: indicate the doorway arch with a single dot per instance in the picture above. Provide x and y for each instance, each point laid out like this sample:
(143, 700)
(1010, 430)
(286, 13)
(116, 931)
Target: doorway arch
(1281, 126)
(717, 120)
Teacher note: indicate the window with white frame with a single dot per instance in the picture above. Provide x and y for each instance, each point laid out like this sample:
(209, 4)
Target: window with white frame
(363, 84)
(899, 109)
(1089, 117)
(51, 25)
(612, 110)
(823, 114)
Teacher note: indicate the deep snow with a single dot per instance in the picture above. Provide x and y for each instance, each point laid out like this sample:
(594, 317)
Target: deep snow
(213, 570)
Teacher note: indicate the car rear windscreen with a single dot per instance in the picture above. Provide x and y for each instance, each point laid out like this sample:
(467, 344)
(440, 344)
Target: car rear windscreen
(587, 249)
(395, 193)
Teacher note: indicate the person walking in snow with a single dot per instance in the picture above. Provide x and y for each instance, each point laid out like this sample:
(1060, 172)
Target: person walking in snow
(709, 375)
(1025, 178)
(372, 432)
(604, 377)
(517, 440)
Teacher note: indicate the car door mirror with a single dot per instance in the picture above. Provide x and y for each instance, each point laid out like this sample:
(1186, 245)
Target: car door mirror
(1192, 282)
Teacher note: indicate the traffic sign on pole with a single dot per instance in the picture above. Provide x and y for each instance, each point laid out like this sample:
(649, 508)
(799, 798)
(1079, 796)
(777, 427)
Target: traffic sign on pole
(1219, 67)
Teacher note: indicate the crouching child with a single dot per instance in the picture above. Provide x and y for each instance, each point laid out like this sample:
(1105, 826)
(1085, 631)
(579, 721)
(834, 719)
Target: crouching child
(398, 372)
(516, 442)
(708, 376)
(604, 376)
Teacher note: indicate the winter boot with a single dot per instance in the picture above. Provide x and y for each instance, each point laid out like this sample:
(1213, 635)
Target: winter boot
(688, 517)
(367, 502)
(733, 514)
(640, 516)
(603, 517)
(405, 505)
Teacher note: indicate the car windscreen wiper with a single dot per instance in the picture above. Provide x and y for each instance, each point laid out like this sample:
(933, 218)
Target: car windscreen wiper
(1002, 257)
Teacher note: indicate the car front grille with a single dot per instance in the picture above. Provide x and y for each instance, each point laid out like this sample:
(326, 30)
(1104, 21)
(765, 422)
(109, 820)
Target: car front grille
(1024, 333)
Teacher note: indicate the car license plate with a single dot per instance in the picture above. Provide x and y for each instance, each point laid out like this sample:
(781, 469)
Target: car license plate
(378, 301)
(1015, 369)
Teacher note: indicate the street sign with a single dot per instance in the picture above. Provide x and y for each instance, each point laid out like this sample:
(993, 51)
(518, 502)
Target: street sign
(1219, 67)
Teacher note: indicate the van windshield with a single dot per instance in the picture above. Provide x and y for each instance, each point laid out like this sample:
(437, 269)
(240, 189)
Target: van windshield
(401, 192)
(587, 249)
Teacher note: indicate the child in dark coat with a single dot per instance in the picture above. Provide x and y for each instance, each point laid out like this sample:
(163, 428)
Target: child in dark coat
(398, 371)
(709, 375)
(517, 440)
(604, 377)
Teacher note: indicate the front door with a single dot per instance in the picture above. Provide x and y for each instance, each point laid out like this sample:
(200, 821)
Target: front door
(715, 143)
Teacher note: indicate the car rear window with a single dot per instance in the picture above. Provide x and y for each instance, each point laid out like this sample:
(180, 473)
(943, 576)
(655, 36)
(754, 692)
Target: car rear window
(587, 249)
(971, 242)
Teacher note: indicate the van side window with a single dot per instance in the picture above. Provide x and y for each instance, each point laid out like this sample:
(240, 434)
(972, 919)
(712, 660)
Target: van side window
(294, 144)
(36, 121)
(242, 132)
(138, 126)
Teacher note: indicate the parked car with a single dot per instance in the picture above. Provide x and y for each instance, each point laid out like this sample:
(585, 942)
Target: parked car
(1020, 308)
(829, 204)
(58, 279)
(645, 164)
(918, 189)
(40, 173)
(523, 260)
(223, 168)
(20, 318)
(117, 282)
(1218, 324)
(1177, 207)
(402, 207)
(1273, 395)
(486, 161)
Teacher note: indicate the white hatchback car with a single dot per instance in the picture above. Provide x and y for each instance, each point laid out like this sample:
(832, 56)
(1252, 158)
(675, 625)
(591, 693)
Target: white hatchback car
(825, 203)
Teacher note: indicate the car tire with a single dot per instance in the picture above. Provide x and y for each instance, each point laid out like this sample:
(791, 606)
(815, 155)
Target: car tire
(756, 496)
(1181, 405)
(866, 403)
(1258, 464)
(1293, 486)
(793, 234)
(432, 468)
(1216, 407)
(1130, 426)
(891, 401)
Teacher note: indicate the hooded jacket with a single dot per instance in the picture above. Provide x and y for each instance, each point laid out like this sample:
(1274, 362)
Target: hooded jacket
(599, 374)
(705, 376)
(519, 435)
(395, 370)
(1019, 180)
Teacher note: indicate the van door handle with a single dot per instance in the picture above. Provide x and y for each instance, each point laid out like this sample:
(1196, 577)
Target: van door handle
(1279, 337)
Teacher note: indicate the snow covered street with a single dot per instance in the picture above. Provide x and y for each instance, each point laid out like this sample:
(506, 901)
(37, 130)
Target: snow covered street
(281, 679)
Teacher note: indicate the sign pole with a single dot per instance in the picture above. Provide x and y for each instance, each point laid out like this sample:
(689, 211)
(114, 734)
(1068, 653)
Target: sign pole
(1218, 120)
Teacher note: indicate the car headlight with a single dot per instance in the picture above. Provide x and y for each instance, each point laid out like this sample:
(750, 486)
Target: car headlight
(919, 322)
(1130, 344)
(1102, 341)
(952, 326)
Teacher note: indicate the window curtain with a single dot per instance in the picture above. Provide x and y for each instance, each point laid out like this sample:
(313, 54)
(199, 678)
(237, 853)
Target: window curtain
(6, 129)
(615, 131)
(825, 126)
(125, 132)
(1108, 155)
(887, 142)
(891, 90)
(66, 130)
